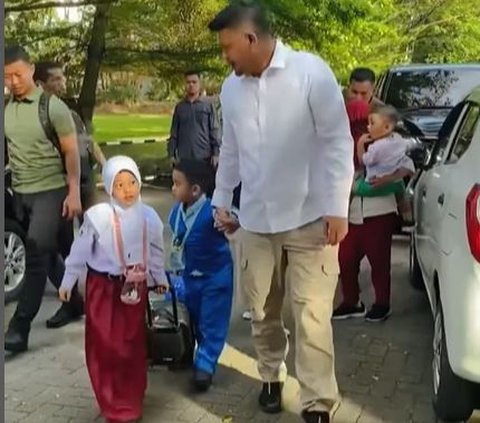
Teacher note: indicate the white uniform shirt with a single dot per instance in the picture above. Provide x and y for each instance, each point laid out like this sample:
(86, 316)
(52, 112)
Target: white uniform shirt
(286, 137)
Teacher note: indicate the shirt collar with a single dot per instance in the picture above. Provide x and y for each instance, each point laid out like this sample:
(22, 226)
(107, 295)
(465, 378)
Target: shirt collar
(279, 58)
(31, 98)
(194, 208)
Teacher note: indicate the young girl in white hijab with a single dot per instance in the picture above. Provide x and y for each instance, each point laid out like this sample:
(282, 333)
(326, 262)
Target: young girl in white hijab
(121, 244)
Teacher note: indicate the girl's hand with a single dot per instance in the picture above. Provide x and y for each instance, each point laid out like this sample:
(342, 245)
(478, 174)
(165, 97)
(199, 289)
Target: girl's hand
(64, 294)
(162, 288)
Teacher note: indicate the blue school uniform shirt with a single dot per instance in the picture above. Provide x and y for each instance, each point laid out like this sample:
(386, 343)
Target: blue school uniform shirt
(206, 250)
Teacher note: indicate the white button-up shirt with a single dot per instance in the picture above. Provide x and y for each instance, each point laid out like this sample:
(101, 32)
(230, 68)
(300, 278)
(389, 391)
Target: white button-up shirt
(286, 138)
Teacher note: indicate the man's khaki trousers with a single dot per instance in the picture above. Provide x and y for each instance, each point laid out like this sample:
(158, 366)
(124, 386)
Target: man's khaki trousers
(300, 264)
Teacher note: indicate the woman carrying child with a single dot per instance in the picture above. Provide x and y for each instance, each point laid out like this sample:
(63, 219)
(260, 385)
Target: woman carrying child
(121, 244)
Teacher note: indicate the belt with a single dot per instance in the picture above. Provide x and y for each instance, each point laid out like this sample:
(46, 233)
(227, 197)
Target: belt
(115, 278)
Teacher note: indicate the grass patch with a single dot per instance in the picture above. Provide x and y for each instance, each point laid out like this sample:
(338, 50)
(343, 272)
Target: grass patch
(151, 158)
(114, 127)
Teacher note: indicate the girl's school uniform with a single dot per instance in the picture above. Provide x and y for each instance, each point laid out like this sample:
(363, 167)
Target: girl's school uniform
(202, 253)
(115, 333)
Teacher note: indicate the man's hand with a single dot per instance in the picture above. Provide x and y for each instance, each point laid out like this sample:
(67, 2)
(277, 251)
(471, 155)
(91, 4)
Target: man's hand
(173, 162)
(337, 228)
(64, 294)
(381, 181)
(225, 222)
(72, 205)
(215, 161)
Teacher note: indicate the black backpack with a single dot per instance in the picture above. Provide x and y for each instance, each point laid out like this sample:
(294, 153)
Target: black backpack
(85, 142)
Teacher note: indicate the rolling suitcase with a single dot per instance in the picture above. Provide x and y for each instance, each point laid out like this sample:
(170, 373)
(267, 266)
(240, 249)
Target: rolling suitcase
(169, 331)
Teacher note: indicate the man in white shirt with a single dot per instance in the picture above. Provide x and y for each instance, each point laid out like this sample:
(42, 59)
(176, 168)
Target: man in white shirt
(286, 138)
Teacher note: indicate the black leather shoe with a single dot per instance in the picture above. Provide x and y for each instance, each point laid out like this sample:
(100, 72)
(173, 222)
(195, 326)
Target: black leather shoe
(202, 380)
(15, 341)
(316, 417)
(270, 398)
(64, 315)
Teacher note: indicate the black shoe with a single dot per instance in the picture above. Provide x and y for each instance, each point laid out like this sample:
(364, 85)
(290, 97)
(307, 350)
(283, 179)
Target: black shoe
(64, 315)
(270, 398)
(378, 313)
(15, 341)
(345, 311)
(202, 380)
(315, 417)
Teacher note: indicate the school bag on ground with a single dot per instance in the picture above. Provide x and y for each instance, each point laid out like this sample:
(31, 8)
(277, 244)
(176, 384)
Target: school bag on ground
(169, 331)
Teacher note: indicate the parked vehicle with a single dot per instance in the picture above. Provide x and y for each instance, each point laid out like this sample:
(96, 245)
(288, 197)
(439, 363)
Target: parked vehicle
(445, 258)
(14, 247)
(425, 95)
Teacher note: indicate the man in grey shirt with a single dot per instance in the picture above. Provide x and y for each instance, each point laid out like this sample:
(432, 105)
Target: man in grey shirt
(194, 133)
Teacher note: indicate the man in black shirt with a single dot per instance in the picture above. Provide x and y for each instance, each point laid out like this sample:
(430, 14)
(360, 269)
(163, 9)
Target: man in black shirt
(194, 133)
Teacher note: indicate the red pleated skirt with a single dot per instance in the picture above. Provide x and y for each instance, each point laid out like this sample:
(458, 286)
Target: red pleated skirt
(115, 349)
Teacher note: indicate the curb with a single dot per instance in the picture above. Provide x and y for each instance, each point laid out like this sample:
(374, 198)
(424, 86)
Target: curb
(130, 142)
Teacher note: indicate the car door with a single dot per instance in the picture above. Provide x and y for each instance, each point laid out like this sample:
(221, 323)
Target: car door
(428, 207)
(449, 185)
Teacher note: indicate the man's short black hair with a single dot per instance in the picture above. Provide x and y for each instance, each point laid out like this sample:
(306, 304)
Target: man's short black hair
(198, 172)
(362, 75)
(239, 12)
(192, 72)
(42, 70)
(15, 53)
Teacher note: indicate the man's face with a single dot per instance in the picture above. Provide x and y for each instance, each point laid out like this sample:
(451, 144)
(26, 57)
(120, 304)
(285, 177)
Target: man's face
(55, 83)
(192, 85)
(237, 48)
(19, 78)
(360, 90)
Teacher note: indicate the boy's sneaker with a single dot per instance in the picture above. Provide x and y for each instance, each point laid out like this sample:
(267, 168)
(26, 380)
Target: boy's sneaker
(202, 380)
(378, 313)
(345, 311)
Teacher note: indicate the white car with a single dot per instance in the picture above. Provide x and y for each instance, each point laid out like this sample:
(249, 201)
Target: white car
(445, 258)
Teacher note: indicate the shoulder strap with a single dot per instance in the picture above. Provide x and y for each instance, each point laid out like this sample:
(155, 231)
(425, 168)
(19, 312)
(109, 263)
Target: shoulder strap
(44, 117)
(119, 241)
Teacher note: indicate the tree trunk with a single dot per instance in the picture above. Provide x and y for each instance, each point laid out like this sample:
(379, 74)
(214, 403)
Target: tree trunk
(95, 54)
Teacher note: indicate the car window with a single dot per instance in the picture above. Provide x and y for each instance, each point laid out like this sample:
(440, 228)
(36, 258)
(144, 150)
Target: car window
(465, 134)
(452, 121)
(430, 88)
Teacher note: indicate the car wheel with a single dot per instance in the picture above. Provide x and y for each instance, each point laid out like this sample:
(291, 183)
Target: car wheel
(15, 260)
(415, 273)
(452, 395)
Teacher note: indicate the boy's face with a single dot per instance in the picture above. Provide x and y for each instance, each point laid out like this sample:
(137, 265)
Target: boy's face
(55, 83)
(126, 189)
(379, 126)
(182, 190)
(19, 78)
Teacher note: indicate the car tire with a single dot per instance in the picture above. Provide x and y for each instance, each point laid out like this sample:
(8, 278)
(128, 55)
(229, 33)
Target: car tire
(415, 273)
(452, 395)
(15, 260)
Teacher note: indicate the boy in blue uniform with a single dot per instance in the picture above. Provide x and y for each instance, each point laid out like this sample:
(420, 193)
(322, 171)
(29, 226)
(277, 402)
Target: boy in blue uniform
(203, 254)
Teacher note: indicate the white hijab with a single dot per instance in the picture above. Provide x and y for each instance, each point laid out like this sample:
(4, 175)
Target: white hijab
(132, 219)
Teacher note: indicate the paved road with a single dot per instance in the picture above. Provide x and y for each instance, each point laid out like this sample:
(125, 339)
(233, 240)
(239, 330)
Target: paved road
(383, 369)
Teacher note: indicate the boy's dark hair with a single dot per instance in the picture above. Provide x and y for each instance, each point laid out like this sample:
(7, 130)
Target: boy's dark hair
(198, 172)
(239, 12)
(192, 72)
(42, 70)
(362, 75)
(15, 53)
(390, 113)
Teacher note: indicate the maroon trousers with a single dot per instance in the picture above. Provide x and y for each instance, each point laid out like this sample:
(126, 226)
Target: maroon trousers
(115, 346)
(373, 239)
